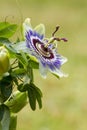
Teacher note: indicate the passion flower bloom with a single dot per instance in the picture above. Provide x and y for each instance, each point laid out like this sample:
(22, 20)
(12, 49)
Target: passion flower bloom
(45, 50)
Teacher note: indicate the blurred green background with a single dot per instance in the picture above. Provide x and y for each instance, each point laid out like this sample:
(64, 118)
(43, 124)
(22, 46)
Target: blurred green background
(64, 100)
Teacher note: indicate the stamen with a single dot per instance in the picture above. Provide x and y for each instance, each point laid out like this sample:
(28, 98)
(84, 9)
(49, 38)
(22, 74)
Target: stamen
(50, 41)
(53, 38)
(57, 28)
(64, 39)
(59, 39)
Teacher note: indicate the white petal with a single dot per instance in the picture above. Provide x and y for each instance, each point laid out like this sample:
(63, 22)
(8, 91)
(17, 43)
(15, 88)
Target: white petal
(26, 26)
(63, 60)
(58, 73)
(20, 46)
(43, 70)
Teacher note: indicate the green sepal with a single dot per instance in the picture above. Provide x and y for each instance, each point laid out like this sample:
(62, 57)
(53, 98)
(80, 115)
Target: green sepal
(40, 29)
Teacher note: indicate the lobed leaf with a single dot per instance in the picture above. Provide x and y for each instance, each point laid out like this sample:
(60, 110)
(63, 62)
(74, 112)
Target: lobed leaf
(7, 30)
(3, 25)
(38, 95)
(34, 94)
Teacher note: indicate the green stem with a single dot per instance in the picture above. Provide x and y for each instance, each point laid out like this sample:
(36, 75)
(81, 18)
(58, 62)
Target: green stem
(30, 74)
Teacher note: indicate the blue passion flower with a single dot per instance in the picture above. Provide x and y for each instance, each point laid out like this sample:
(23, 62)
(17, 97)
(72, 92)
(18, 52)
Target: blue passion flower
(45, 50)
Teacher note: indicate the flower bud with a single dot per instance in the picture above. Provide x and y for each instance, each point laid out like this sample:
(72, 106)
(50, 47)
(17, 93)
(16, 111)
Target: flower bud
(4, 60)
(17, 101)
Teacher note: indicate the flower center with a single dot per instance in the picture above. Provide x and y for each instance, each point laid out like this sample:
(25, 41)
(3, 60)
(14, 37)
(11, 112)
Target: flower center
(42, 50)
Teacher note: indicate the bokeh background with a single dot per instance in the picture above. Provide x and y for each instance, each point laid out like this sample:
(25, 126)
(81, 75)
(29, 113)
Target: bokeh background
(64, 100)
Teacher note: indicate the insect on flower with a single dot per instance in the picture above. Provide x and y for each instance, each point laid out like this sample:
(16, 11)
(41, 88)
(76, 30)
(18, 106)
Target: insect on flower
(45, 50)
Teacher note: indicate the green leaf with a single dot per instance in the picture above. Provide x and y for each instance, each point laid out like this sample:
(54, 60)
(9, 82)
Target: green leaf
(8, 45)
(38, 95)
(1, 112)
(34, 65)
(5, 88)
(34, 94)
(7, 29)
(0, 126)
(20, 65)
(18, 72)
(13, 122)
(30, 73)
(5, 121)
(22, 87)
(32, 97)
(22, 59)
(33, 62)
(3, 25)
